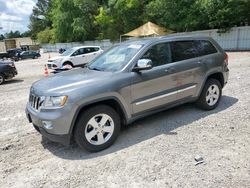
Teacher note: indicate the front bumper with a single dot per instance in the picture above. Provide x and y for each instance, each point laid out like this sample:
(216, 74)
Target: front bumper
(60, 119)
(52, 65)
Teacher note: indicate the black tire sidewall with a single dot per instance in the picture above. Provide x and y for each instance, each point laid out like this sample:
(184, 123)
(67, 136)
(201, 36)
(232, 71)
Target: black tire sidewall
(81, 124)
(202, 103)
(3, 79)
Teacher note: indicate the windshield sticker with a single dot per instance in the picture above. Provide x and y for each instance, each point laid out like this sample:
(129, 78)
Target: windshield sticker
(115, 58)
(134, 46)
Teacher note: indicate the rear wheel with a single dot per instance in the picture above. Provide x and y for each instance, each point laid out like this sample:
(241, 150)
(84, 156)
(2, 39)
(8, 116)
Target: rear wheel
(2, 79)
(97, 128)
(210, 95)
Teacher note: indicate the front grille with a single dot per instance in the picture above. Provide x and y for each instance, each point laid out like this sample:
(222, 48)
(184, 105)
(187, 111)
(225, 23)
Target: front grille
(35, 101)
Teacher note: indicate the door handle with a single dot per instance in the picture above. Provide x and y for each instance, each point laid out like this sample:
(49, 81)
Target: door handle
(83, 56)
(169, 70)
(200, 62)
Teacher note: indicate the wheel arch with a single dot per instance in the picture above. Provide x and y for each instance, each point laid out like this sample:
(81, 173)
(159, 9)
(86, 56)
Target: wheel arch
(110, 101)
(67, 62)
(215, 75)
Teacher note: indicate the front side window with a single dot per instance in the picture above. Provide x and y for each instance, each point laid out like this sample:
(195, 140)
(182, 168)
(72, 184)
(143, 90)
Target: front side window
(68, 52)
(115, 58)
(159, 54)
(79, 52)
(182, 50)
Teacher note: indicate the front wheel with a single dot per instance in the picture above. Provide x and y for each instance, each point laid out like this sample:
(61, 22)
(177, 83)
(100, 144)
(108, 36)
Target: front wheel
(97, 128)
(210, 95)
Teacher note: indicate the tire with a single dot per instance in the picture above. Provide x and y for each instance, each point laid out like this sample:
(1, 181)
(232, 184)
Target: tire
(210, 95)
(35, 57)
(68, 63)
(2, 79)
(90, 133)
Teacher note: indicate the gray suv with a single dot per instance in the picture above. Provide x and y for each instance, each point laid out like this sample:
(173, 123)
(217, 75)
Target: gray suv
(129, 81)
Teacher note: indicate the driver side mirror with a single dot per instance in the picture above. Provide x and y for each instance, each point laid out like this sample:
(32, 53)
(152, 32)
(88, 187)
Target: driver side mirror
(143, 64)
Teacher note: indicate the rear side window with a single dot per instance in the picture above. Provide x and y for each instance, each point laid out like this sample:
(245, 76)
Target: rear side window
(96, 49)
(89, 50)
(205, 47)
(182, 50)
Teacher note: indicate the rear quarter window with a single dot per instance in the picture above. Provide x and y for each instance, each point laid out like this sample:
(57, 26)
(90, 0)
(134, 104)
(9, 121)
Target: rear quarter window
(205, 47)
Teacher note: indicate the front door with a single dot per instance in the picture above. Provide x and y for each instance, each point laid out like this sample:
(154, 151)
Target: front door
(155, 87)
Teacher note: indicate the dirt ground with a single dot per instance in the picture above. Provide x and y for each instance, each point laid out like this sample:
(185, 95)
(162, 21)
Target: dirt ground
(156, 151)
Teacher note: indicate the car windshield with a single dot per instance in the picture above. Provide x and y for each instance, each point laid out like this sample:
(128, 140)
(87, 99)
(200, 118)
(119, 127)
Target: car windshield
(68, 52)
(115, 58)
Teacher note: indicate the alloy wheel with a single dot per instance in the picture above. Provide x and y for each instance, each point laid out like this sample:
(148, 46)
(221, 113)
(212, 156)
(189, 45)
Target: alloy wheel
(213, 94)
(99, 129)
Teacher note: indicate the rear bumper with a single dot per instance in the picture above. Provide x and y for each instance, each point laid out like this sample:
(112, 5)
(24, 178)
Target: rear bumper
(10, 74)
(226, 76)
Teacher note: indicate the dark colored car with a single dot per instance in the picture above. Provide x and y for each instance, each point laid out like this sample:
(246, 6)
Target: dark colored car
(7, 70)
(11, 53)
(28, 55)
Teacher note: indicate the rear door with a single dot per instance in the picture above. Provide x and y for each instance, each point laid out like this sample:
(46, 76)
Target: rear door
(91, 53)
(189, 68)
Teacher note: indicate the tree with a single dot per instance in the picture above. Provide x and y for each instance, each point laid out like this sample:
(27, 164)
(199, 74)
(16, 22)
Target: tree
(12, 34)
(40, 17)
(74, 20)
(45, 36)
(120, 17)
(2, 37)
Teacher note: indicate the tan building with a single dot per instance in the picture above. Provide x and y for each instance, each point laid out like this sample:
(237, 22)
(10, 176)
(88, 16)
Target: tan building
(25, 43)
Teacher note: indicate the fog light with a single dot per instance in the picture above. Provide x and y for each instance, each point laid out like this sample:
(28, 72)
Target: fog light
(47, 124)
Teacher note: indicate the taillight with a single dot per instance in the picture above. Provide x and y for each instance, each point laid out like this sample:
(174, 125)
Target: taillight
(226, 59)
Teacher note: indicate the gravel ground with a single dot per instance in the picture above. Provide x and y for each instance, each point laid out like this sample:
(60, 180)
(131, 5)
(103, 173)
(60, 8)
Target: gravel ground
(157, 151)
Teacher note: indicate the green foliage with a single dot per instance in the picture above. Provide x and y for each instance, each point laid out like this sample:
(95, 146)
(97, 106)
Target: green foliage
(40, 17)
(74, 20)
(46, 36)
(80, 20)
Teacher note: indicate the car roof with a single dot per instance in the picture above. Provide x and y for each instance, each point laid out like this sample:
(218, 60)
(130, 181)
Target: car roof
(172, 37)
(78, 47)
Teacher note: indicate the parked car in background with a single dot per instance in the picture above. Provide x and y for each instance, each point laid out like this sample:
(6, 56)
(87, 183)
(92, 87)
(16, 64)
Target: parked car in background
(7, 70)
(75, 56)
(61, 50)
(28, 55)
(129, 81)
(11, 53)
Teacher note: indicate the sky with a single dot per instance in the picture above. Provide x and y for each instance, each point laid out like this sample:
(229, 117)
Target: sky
(15, 15)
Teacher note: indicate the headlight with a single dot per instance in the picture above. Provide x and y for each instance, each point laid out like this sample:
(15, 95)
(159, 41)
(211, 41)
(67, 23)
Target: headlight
(51, 102)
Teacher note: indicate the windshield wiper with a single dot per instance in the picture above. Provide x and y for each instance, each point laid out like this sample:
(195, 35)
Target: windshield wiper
(95, 68)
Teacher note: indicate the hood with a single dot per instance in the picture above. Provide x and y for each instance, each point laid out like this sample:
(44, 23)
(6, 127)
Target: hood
(55, 58)
(69, 81)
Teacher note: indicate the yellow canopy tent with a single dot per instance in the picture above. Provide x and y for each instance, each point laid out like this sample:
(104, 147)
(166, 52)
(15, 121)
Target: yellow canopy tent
(148, 29)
